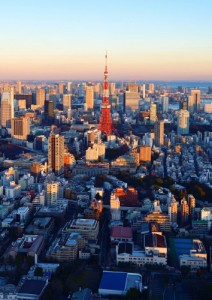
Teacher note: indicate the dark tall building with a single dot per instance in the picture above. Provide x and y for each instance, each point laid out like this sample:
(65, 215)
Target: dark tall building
(27, 97)
(49, 111)
(184, 104)
(56, 153)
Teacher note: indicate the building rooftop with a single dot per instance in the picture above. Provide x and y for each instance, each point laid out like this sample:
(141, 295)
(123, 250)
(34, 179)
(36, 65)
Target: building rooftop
(84, 294)
(155, 240)
(113, 280)
(125, 248)
(119, 282)
(32, 287)
(121, 232)
(88, 222)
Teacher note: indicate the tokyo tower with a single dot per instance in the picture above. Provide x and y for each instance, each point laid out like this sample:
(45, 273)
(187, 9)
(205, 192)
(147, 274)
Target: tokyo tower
(105, 122)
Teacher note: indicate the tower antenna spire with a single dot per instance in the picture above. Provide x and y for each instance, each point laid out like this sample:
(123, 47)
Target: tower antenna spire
(106, 61)
(105, 122)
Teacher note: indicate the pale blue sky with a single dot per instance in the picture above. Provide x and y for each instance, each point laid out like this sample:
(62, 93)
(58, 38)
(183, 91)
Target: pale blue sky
(154, 39)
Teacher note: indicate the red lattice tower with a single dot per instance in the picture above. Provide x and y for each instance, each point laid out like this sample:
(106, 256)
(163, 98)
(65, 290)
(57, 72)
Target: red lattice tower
(105, 122)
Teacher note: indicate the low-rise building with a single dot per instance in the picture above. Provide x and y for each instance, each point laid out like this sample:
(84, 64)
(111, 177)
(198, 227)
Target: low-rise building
(155, 251)
(31, 288)
(121, 234)
(41, 226)
(197, 258)
(124, 163)
(66, 248)
(30, 245)
(119, 283)
(88, 228)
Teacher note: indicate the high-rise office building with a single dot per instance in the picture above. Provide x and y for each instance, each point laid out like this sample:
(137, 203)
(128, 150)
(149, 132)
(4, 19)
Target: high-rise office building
(184, 104)
(184, 212)
(165, 103)
(52, 192)
(144, 91)
(112, 88)
(89, 97)
(98, 90)
(56, 153)
(66, 102)
(159, 133)
(49, 111)
(190, 104)
(40, 97)
(145, 153)
(69, 86)
(192, 205)
(153, 113)
(60, 88)
(19, 87)
(196, 100)
(7, 107)
(20, 128)
(131, 101)
(132, 87)
(27, 98)
(183, 122)
(131, 97)
(172, 210)
(151, 88)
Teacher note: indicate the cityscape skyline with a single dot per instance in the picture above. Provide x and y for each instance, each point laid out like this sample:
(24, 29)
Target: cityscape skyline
(67, 40)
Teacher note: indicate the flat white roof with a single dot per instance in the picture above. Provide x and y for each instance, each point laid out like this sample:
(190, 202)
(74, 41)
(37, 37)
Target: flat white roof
(85, 222)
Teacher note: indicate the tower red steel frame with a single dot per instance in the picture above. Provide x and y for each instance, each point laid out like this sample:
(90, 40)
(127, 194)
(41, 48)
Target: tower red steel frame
(105, 122)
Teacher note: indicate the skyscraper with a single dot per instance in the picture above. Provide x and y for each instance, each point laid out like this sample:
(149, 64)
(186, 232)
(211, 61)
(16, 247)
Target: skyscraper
(112, 88)
(27, 98)
(165, 103)
(153, 113)
(20, 128)
(151, 88)
(196, 100)
(89, 97)
(60, 88)
(172, 210)
(18, 89)
(145, 153)
(66, 102)
(7, 107)
(184, 212)
(49, 111)
(40, 97)
(56, 153)
(132, 87)
(131, 101)
(52, 192)
(183, 122)
(192, 205)
(159, 133)
(144, 91)
(131, 97)
(69, 86)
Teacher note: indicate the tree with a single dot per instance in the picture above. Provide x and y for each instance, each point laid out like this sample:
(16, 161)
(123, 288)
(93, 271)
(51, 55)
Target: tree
(198, 192)
(185, 270)
(133, 294)
(159, 181)
(57, 289)
(19, 260)
(38, 272)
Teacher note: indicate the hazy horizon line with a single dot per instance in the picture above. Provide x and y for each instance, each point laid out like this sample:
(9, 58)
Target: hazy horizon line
(110, 80)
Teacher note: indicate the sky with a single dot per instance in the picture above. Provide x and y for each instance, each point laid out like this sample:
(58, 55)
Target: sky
(67, 39)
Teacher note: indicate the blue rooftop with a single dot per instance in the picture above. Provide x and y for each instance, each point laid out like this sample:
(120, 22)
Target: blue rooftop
(113, 280)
